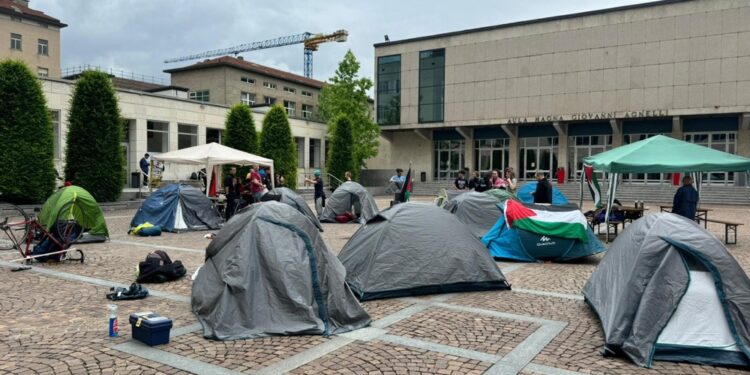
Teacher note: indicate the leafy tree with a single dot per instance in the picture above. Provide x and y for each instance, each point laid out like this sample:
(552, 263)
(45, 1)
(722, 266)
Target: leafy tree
(93, 156)
(27, 171)
(341, 158)
(240, 134)
(276, 143)
(347, 94)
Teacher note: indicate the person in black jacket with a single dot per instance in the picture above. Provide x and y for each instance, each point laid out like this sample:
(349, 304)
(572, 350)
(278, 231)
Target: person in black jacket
(478, 183)
(543, 193)
(685, 201)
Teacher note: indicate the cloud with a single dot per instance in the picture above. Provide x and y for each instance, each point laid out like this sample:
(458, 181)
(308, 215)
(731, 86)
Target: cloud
(137, 35)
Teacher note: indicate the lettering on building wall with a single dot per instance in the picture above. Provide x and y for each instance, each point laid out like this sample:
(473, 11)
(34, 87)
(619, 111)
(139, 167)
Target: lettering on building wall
(589, 116)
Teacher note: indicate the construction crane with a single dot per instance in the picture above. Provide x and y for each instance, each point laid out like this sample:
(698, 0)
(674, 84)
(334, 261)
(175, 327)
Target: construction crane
(311, 42)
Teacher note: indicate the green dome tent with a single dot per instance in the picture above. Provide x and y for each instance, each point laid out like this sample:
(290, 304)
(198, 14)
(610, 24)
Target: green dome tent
(74, 202)
(501, 194)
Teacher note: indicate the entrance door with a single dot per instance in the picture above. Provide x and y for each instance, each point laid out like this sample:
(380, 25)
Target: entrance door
(538, 154)
(449, 158)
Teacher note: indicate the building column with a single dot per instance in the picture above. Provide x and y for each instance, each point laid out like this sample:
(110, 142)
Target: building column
(306, 154)
(172, 136)
(201, 134)
(323, 155)
(562, 149)
(512, 131)
(138, 142)
(617, 138)
(677, 127)
(467, 133)
(743, 147)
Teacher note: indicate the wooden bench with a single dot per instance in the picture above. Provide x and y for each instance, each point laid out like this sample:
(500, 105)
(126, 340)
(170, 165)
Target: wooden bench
(729, 227)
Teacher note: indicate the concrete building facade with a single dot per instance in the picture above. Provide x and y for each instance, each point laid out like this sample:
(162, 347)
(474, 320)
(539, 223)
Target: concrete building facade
(31, 36)
(542, 94)
(228, 80)
(157, 123)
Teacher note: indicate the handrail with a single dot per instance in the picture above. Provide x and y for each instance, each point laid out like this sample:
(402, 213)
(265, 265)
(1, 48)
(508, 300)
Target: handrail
(334, 177)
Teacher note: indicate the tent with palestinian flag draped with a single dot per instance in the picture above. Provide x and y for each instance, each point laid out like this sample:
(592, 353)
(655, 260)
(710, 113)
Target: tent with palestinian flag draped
(405, 193)
(530, 233)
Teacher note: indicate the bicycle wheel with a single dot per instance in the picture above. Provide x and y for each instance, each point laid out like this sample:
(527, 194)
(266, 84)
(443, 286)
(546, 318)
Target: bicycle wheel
(15, 226)
(69, 224)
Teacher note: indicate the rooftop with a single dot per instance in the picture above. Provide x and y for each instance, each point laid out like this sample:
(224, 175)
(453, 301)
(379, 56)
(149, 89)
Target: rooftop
(21, 9)
(532, 21)
(241, 64)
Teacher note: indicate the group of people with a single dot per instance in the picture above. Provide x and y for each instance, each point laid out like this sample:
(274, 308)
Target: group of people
(242, 192)
(491, 180)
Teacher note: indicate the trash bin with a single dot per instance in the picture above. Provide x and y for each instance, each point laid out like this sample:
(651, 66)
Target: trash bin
(423, 176)
(135, 179)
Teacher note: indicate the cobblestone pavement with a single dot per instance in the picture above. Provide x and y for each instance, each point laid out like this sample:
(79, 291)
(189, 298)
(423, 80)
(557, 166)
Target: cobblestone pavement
(53, 320)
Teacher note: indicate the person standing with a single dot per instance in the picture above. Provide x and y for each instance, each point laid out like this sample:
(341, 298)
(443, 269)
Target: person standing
(543, 192)
(510, 180)
(230, 190)
(144, 164)
(460, 182)
(347, 176)
(685, 202)
(320, 195)
(256, 183)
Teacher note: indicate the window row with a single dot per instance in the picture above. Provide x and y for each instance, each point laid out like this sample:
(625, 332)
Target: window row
(248, 98)
(16, 43)
(271, 85)
(201, 95)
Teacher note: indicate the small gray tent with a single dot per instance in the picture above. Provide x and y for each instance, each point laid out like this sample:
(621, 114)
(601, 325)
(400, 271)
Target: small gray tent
(477, 210)
(290, 197)
(268, 272)
(349, 197)
(413, 249)
(669, 290)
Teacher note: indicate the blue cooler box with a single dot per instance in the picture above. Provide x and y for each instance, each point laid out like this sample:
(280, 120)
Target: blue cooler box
(150, 328)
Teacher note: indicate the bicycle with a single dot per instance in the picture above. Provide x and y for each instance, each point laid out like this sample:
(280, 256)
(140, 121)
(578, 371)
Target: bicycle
(25, 233)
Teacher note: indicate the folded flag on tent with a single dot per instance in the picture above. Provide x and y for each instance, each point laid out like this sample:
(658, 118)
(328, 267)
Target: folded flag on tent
(593, 184)
(564, 224)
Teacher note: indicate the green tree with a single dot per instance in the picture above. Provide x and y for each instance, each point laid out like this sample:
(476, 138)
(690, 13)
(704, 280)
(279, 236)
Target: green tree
(341, 158)
(93, 156)
(347, 94)
(276, 143)
(27, 171)
(240, 134)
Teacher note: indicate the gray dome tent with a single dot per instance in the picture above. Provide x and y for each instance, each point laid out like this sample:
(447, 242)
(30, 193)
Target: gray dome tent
(268, 272)
(477, 210)
(669, 290)
(352, 197)
(290, 197)
(412, 249)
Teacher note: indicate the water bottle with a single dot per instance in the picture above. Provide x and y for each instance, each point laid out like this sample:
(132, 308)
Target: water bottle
(113, 331)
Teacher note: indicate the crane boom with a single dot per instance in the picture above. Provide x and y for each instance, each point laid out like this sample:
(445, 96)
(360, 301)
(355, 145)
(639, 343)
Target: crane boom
(310, 40)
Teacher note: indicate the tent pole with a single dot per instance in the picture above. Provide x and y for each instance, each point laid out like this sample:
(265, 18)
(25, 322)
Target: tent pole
(273, 178)
(208, 178)
(610, 202)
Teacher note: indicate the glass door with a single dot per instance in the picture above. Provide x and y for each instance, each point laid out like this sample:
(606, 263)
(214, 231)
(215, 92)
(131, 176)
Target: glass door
(449, 158)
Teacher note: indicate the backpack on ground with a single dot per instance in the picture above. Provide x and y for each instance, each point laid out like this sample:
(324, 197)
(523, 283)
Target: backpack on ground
(159, 268)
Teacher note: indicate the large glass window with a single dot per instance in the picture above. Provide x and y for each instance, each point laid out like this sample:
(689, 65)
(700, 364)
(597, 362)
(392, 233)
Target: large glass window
(314, 153)
(491, 154)
(15, 41)
(537, 154)
(187, 136)
(42, 47)
(449, 158)
(157, 136)
(307, 111)
(201, 96)
(56, 128)
(583, 146)
(247, 98)
(389, 90)
(291, 108)
(431, 85)
(213, 135)
(643, 177)
(721, 141)
(300, 141)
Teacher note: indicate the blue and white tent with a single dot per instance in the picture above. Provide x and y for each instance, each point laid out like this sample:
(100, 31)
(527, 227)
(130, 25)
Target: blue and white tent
(178, 208)
(525, 195)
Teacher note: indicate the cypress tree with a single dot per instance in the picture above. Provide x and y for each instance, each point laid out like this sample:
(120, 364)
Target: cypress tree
(93, 156)
(240, 134)
(27, 171)
(276, 143)
(341, 158)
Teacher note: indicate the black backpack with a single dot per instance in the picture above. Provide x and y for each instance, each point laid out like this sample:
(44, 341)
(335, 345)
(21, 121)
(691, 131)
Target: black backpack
(159, 268)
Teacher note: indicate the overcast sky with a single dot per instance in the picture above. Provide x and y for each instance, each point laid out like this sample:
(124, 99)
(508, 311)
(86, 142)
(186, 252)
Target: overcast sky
(137, 35)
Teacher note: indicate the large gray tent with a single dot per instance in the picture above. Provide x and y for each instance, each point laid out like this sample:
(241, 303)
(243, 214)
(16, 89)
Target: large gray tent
(290, 197)
(350, 197)
(477, 210)
(268, 272)
(669, 290)
(412, 249)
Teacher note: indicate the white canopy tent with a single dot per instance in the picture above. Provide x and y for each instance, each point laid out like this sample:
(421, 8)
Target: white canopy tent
(210, 155)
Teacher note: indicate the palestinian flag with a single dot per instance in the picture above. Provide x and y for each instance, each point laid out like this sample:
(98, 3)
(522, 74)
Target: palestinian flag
(593, 184)
(557, 223)
(407, 189)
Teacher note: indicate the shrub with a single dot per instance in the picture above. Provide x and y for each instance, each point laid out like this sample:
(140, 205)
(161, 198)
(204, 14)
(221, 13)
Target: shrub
(240, 134)
(341, 158)
(93, 156)
(27, 171)
(276, 143)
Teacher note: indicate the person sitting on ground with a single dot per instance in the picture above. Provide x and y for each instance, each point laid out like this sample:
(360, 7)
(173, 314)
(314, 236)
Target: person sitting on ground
(460, 182)
(478, 183)
(510, 180)
(685, 201)
(543, 192)
(497, 182)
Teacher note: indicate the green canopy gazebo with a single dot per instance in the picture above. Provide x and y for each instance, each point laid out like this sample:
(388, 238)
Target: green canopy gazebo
(658, 154)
